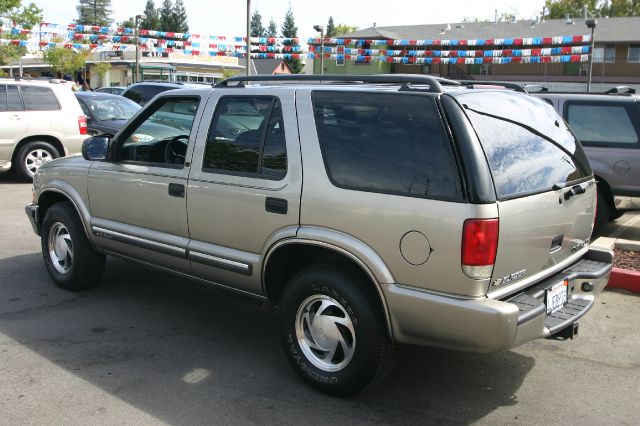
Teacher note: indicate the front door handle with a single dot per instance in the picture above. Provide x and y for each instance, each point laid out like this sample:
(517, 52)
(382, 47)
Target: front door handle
(276, 205)
(176, 190)
(15, 117)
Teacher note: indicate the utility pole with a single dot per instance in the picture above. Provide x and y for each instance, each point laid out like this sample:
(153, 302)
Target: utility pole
(137, 34)
(591, 23)
(248, 37)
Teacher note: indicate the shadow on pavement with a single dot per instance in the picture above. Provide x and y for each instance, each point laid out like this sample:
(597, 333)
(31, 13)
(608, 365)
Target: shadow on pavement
(187, 353)
(10, 178)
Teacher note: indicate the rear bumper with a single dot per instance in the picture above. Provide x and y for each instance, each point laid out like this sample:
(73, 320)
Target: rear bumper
(5, 165)
(488, 325)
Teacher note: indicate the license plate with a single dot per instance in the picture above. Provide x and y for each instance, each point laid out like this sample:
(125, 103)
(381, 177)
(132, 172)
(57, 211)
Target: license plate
(557, 296)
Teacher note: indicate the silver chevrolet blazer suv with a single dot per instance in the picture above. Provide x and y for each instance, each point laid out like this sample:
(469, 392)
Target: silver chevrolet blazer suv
(370, 211)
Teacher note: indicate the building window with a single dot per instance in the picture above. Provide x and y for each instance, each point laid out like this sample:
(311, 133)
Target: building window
(634, 53)
(604, 54)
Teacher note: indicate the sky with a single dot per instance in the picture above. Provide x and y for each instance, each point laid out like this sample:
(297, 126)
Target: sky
(213, 17)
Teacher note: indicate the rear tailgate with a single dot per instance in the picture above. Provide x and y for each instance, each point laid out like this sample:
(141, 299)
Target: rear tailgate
(544, 186)
(539, 234)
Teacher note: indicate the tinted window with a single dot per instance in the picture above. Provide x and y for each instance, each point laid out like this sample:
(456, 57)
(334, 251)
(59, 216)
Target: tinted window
(39, 99)
(247, 136)
(14, 103)
(3, 98)
(143, 94)
(156, 140)
(385, 143)
(603, 123)
(522, 162)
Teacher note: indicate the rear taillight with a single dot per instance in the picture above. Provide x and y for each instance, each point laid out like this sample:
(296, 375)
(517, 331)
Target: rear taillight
(479, 247)
(82, 124)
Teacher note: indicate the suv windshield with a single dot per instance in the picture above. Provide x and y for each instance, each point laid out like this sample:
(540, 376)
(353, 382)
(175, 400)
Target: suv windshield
(529, 147)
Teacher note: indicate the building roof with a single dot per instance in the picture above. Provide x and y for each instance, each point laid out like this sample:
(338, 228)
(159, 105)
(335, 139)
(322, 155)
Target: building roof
(608, 30)
(262, 66)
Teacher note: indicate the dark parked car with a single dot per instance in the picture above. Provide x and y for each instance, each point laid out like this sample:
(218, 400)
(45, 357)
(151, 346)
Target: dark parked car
(112, 90)
(106, 113)
(608, 126)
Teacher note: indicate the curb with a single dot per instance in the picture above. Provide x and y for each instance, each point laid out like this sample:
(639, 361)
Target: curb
(625, 280)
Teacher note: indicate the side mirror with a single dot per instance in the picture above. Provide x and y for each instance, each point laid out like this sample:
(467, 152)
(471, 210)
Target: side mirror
(96, 148)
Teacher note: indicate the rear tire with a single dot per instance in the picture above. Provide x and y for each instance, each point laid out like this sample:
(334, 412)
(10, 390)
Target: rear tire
(31, 156)
(69, 257)
(602, 214)
(334, 332)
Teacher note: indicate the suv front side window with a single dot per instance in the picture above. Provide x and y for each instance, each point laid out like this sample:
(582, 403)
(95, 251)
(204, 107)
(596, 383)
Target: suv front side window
(246, 137)
(158, 139)
(14, 102)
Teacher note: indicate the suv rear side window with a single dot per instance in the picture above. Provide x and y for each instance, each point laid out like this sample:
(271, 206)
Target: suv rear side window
(386, 143)
(246, 137)
(604, 123)
(39, 99)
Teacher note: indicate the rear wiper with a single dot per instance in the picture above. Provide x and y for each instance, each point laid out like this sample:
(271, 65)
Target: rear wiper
(537, 133)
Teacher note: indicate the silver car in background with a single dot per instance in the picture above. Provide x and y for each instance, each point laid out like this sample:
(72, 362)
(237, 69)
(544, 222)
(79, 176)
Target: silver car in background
(608, 126)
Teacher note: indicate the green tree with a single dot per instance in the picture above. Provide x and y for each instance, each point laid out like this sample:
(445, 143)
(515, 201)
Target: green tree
(102, 68)
(152, 22)
(272, 29)
(65, 61)
(129, 23)
(94, 12)
(179, 14)
(331, 28)
(342, 29)
(620, 8)
(559, 9)
(257, 30)
(24, 16)
(165, 16)
(290, 30)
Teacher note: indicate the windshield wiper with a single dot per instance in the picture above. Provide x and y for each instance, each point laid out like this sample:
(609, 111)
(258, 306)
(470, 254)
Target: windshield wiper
(537, 133)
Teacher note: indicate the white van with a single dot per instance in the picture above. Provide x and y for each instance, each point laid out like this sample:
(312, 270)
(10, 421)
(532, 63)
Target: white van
(39, 120)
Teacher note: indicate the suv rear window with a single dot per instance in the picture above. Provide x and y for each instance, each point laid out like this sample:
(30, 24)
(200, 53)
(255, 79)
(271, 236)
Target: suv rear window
(39, 99)
(387, 143)
(528, 146)
(604, 123)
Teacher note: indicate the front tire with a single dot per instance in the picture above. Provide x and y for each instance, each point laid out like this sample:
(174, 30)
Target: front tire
(69, 257)
(334, 332)
(33, 155)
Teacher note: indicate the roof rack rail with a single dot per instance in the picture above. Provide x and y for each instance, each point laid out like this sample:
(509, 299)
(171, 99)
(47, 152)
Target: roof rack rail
(621, 90)
(507, 85)
(435, 84)
(51, 80)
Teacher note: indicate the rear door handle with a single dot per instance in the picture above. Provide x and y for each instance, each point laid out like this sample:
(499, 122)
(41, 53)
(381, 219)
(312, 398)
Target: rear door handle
(15, 117)
(276, 205)
(176, 190)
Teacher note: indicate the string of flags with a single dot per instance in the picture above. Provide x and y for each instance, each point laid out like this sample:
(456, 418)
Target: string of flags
(428, 51)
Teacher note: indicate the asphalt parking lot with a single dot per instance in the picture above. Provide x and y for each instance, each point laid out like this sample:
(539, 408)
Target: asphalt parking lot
(148, 348)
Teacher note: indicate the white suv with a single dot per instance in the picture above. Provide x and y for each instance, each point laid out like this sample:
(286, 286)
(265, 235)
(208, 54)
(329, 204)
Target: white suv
(39, 120)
